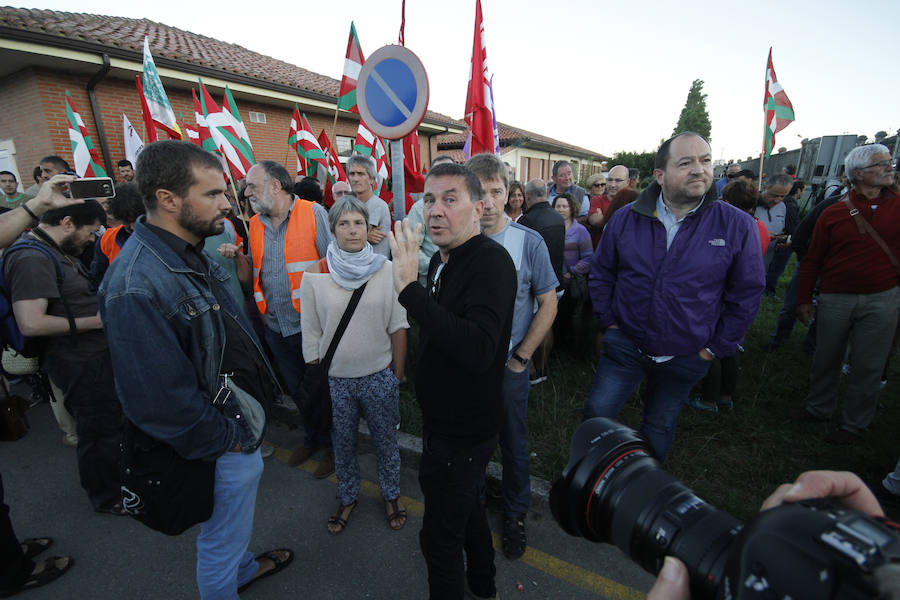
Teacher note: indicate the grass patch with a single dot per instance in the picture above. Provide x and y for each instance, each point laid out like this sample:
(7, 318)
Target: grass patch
(732, 459)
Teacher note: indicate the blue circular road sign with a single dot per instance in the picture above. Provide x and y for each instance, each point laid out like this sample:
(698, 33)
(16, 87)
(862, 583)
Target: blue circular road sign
(392, 92)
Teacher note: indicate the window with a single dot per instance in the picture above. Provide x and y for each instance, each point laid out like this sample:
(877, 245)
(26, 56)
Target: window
(344, 145)
(257, 117)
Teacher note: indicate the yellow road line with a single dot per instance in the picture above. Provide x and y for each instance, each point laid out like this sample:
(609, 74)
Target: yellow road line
(534, 558)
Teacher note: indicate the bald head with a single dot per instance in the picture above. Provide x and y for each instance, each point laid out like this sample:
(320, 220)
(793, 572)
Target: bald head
(616, 180)
(535, 191)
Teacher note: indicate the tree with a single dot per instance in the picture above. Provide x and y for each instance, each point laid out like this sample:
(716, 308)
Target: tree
(782, 150)
(861, 139)
(694, 116)
(880, 136)
(643, 161)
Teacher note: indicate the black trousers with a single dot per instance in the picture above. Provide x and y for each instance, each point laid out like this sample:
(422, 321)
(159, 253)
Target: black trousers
(452, 481)
(14, 567)
(90, 395)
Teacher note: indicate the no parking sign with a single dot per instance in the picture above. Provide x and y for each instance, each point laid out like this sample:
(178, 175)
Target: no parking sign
(392, 95)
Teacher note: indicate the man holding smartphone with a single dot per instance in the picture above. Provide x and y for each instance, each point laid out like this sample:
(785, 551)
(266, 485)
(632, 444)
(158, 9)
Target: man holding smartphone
(76, 355)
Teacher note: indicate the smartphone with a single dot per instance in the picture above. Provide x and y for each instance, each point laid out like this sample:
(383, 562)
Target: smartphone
(92, 187)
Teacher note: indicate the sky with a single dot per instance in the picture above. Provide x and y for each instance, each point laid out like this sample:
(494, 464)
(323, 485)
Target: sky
(606, 79)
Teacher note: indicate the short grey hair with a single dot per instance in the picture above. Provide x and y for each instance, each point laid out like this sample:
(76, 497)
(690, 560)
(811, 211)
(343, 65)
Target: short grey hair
(777, 179)
(536, 188)
(859, 158)
(367, 162)
(559, 165)
(348, 203)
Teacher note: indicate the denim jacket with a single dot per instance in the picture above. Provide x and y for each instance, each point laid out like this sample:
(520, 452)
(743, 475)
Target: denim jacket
(167, 341)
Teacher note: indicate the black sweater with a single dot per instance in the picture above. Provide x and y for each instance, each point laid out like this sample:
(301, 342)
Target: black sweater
(464, 340)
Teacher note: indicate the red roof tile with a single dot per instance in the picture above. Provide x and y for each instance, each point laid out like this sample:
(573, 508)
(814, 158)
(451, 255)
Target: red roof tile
(176, 44)
(512, 136)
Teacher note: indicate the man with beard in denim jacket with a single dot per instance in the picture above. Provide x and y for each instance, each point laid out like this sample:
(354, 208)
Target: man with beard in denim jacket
(178, 340)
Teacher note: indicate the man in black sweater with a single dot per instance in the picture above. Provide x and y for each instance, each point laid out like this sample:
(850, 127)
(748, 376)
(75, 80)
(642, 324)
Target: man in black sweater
(465, 315)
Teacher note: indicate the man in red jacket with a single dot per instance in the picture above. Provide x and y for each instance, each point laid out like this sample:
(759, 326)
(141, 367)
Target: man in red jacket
(853, 256)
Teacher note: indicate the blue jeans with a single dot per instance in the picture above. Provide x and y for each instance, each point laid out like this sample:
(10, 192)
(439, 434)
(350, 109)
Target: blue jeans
(621, 369)
(223, 563)
(287, 354)
(516, 484)
(778, 260)
(788, 317)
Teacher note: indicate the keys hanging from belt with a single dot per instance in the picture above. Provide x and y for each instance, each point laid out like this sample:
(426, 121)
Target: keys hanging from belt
(224, 392)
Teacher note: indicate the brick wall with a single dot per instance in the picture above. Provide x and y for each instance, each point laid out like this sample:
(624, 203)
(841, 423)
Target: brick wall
(34, 117)
(23, 120)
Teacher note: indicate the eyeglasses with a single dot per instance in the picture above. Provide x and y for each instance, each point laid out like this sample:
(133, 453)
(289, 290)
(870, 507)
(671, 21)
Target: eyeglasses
(879, 165)
(614, 180)
(338, 194)
(598, 184)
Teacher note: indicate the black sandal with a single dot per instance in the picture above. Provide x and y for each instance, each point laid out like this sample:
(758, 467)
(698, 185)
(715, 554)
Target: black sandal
(48, 574)
(397, 514)
(280, 565)
(34, 546)
(339, 519)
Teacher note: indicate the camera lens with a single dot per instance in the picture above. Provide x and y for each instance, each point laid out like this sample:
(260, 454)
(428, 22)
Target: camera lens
(614, 491)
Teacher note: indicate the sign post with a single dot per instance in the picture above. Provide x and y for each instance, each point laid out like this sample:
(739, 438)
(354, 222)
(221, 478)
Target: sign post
(392, 96)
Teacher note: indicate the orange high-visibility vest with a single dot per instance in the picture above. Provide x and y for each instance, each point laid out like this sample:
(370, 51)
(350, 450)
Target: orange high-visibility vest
(108, 244)
(299, 250)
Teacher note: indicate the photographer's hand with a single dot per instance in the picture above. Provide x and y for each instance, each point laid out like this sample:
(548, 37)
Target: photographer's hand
(842, 485)
(672, 583)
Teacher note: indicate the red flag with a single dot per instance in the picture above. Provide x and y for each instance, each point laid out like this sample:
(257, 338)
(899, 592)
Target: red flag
(335, 169)
(413, 180)
(226, 139)
(778, 108)
(352, 64)
(204, 138)
(478, 97)
(149, 125)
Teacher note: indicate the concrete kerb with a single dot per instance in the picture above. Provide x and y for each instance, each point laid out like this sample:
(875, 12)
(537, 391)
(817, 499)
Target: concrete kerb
(411, 455)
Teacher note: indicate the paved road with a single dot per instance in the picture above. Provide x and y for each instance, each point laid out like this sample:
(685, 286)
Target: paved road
(117, 557)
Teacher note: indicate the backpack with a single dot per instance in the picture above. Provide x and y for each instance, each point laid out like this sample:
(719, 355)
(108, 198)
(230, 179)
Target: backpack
(10, 334)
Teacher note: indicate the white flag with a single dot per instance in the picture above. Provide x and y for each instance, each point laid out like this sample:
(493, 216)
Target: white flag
(133, 143)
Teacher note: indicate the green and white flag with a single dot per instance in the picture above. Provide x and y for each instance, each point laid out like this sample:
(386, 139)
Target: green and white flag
(157, 101)
(233, 117)
(85, 157)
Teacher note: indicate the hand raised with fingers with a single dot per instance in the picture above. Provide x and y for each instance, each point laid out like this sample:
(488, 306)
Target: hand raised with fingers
(404, 241)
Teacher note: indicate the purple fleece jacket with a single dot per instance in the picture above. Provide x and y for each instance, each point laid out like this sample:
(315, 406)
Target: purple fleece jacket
(703, 292)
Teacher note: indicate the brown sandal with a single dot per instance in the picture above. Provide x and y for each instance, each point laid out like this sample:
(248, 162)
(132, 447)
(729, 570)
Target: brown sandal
(398, 514)
(340, 518)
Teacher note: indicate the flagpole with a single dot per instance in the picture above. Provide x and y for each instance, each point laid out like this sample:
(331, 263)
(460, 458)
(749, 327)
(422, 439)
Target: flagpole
(334, 125)
(759, 179)
(237, 200)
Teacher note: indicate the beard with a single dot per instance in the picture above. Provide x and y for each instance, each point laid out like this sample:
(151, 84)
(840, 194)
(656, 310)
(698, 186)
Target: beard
(71, 246)
(202, 229)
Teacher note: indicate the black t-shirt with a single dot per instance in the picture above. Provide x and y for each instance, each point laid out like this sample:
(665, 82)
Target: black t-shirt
(542, 218)
(31, 275)
(241, 356)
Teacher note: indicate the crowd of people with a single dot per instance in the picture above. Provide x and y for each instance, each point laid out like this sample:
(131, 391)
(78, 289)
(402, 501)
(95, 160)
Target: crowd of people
(239, 298)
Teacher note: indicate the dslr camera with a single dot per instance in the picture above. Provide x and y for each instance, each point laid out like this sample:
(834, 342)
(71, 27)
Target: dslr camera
(614, 491)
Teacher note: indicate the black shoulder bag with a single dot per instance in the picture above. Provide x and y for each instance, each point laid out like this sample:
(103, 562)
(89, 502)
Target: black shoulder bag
(316, 402)
(162, 489)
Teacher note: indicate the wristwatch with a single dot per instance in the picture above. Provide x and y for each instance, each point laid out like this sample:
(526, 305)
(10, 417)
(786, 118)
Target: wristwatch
(711, 353)
(524, 361)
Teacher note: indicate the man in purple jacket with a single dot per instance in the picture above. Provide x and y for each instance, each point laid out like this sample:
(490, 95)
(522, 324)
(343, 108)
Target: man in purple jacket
(675, 282)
